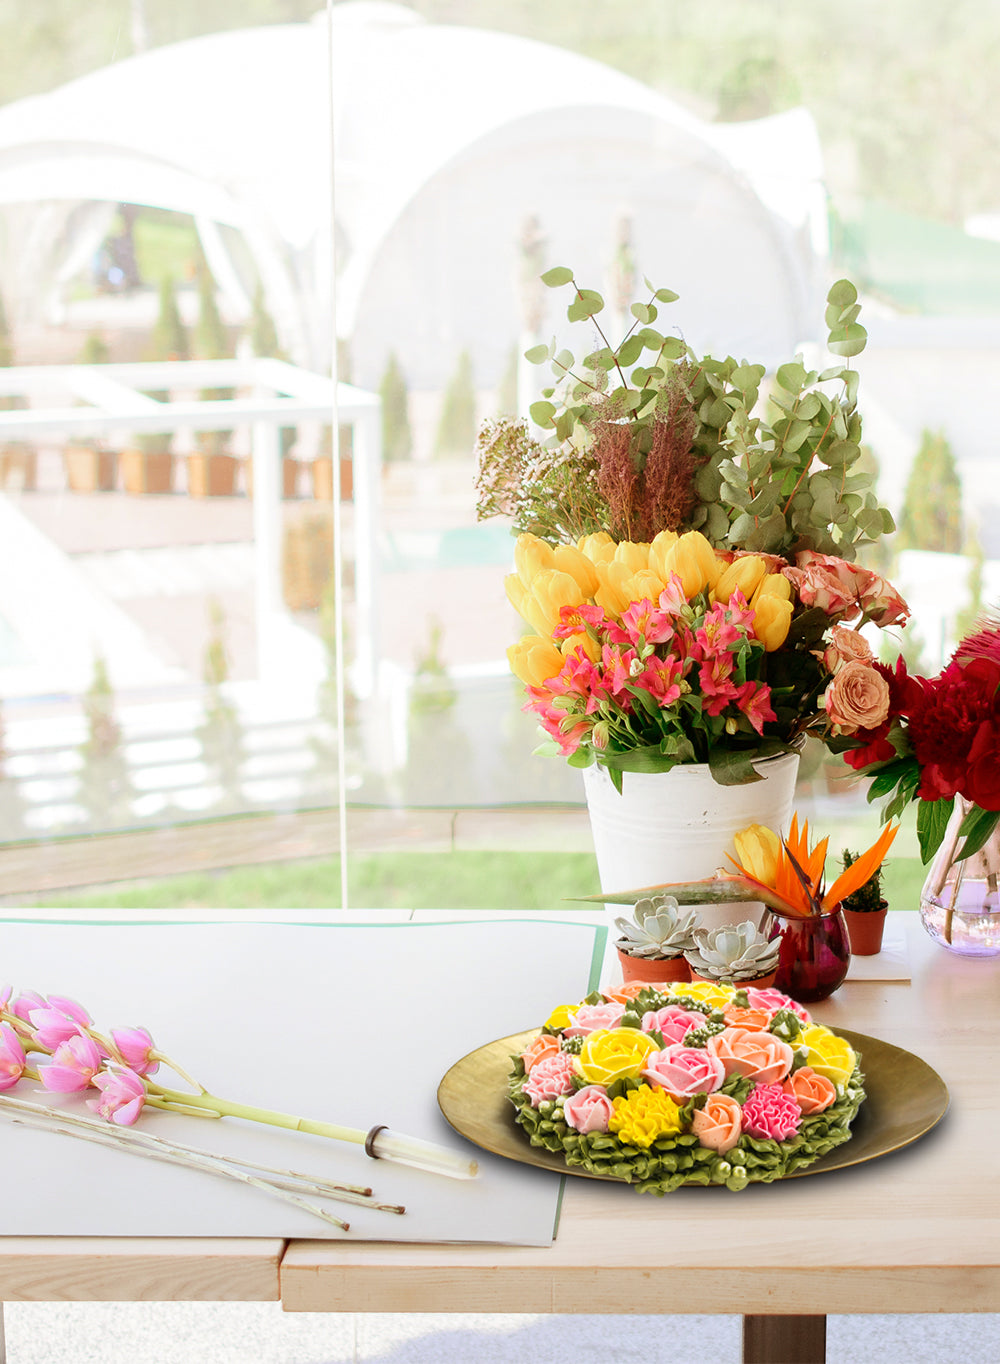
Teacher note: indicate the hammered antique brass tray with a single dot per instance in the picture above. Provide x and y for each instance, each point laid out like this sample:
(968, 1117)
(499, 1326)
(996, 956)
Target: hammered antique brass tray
(905, 1098)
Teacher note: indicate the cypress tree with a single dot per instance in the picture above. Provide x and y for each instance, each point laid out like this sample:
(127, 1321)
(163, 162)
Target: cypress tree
(170, 338)
(456, 434)
(397, 438)
(932, 507)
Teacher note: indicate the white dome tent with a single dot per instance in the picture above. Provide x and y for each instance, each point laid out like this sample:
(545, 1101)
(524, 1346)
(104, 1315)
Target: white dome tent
(448, 140)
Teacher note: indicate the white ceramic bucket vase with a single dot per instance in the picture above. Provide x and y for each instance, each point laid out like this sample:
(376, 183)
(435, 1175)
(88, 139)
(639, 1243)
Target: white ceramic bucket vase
(679, 826)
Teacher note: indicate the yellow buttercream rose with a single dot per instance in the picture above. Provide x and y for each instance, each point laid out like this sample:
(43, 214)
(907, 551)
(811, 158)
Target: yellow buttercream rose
(643, 1115)
(614, 1054)
(718, 996)
(829, 1054)
(561, 1017)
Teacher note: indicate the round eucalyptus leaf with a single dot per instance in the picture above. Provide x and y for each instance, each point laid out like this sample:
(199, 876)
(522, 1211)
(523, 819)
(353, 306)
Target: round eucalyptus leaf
(559, 274)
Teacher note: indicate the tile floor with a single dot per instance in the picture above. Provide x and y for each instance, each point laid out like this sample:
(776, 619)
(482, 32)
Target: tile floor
(234, 1333)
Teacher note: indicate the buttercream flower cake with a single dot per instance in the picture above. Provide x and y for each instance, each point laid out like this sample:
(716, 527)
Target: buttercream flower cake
(691, 1083)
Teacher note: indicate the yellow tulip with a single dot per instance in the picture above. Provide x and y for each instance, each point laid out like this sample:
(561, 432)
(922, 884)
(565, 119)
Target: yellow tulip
(551, 590)
(633, 554)
(531, 555)
(516, 593)
(744, 574)
(646, 583)
(583, 641)
(612, 595)
(758, 849)
(599, 548)
(568, 559)
(693, 559)
(658, 549)
(534, 660)
(771, 620)
(773, 585)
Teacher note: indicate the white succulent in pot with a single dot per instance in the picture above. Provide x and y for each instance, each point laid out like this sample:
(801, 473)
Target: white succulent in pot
(737, 953)
(659, 929)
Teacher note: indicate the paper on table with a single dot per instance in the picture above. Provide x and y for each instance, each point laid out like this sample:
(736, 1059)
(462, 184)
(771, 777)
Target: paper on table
(351, 1023)
(892, 963)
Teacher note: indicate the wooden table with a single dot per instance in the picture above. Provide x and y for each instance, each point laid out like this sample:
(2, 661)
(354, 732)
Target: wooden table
(913, 1232)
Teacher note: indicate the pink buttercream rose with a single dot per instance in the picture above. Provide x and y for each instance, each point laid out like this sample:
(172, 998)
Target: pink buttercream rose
(747, 1051)
(774, 1001)
(684, 1071)
(550, 1077)
(672, 1021)
(770, 1113)
(813, 1092)
(589, 1017)
(858, 697)
(719, 1124)
(588, 1110)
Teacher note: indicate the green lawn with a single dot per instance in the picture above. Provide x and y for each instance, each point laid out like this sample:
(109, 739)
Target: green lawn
(459, 880)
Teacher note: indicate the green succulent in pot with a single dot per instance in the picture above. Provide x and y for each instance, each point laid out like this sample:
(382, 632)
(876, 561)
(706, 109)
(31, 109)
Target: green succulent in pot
(659, 929)
(736, 953)
(867, 899)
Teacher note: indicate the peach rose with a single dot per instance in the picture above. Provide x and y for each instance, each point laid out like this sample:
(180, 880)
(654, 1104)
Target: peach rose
(857, 698)
(882, 604)
(845, 645)
(745, 1051)
(544, 1045)
(812, 1092)
(832, 584)
(719, 1124)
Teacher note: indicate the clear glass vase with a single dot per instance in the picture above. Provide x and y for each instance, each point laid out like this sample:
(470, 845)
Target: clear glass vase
(960, 904)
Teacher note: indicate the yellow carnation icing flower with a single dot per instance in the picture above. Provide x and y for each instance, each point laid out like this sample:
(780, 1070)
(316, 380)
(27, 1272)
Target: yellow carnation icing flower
(643, 1115)
(561, 1017)
(614, 1054)
(829, 1054)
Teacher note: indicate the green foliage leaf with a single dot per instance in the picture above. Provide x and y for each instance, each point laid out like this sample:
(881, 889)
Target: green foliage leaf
(977, 827)
(541, 414)
(672, 348)
(600, 359)
(843, 293)
(733, 768)
(630, 350)
(644, 312)
(849, 340)
(587, 303)
(563, 361)
(666, 296)
(791, 377)
(538, 354)
(932, 820)
(840, 454)
(559, 274)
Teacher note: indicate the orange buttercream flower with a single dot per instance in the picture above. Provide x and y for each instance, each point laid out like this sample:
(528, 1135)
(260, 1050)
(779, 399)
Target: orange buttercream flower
(544, 1045)
(753, 1019)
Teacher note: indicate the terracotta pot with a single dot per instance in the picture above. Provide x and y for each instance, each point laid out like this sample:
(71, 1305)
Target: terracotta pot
(147, 471)
(19, 463)
(758, 982)
(653, 969)
(89, 470)
(289, 476)
(865, 928)
(322, 479)
(211, 475)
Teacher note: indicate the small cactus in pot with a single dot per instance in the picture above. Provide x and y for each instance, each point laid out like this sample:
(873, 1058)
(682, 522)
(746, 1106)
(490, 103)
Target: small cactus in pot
(736, 955)
(654, 940)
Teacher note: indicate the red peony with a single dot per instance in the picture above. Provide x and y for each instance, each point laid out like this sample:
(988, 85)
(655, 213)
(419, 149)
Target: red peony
(955, 733)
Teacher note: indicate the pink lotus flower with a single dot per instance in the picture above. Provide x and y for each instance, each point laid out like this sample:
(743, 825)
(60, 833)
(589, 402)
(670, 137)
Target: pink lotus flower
(53, 1027)
(12, 1057)
(135, 1045)
(123, 1095)
(73, 1065)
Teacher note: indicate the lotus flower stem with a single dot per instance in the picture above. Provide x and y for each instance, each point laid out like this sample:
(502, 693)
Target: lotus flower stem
(158, 1148)
(379, 1143)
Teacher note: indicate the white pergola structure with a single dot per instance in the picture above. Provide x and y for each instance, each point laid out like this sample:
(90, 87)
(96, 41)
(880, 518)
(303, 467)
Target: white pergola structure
(115, 397)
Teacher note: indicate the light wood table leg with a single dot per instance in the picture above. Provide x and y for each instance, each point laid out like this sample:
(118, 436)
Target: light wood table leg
(3, 1347)
(784, 1340)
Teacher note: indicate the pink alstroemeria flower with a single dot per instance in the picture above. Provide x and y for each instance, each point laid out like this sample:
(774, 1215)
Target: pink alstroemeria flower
(135, 1044)
(12, 1057)
(73, 1065)
(645, 623)
(122, 1097)
(754, 701)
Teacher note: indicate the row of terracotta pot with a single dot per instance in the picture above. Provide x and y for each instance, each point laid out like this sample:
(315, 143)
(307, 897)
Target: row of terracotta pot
(208, 475)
